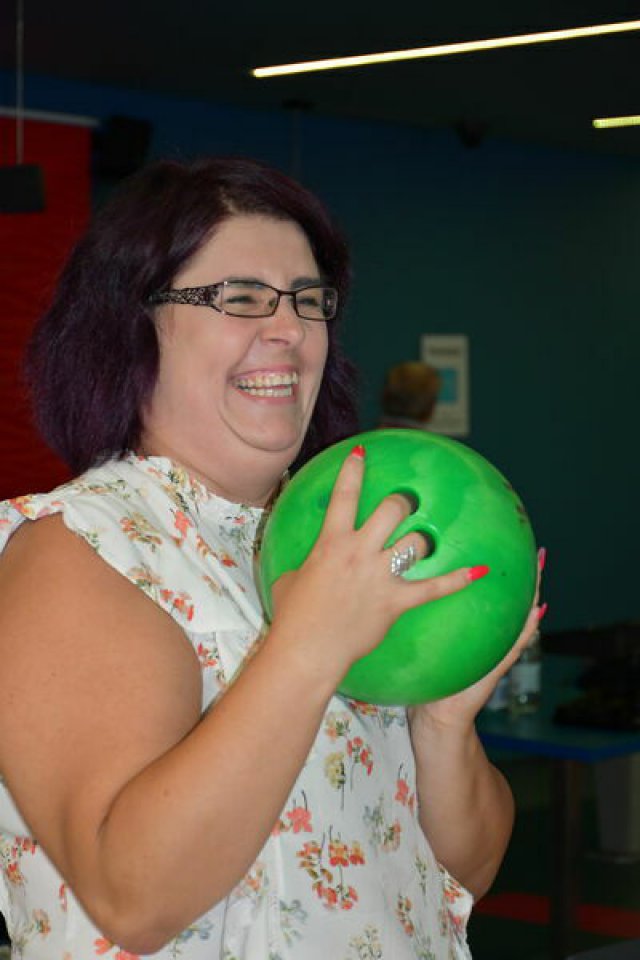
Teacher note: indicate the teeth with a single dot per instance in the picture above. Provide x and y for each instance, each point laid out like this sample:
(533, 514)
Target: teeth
(268, 384)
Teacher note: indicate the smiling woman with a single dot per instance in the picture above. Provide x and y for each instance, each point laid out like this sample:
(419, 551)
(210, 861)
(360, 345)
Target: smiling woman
(247, 372)
(195, 785)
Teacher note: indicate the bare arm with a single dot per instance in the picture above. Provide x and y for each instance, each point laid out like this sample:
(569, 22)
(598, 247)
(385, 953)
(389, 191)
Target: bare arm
(466, 806)
(101, 739)
(106, 755)
(468, 817)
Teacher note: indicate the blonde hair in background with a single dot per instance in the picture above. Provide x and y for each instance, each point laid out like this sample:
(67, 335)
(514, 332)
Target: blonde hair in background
(410, 390)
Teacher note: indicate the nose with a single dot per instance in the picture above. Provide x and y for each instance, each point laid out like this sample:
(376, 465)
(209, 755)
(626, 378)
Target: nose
(284, 325)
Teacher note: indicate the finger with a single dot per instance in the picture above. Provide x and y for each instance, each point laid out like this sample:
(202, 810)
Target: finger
(413, 543)
(425, 591)
(525, 638)
(389, 513)
(542, 559)
(343, 504)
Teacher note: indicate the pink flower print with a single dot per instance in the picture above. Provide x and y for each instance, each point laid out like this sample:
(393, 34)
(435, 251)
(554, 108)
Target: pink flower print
(296, 820)
(138, 528)
(22, 504)
(144, 577)
(338, 854)
(337, 725)
(206, 656)
(203, 547)
(403, 794)
(328, 894)
(182, 523)
(452, 889)
(402, 791)
(228, 561)
(391, 836)
(310, 851)
(329, 887)
(62, 897)
(14, 874)
(180, 602)
(26, 844)
(211, 583)
(360, 753)
(300, 819)
(349, 898)
(41, 922)
(364, 709)
(103, 946)
(403, 912)
(356, 855)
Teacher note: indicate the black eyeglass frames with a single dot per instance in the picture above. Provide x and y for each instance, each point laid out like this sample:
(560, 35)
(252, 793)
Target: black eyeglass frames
(251, 298)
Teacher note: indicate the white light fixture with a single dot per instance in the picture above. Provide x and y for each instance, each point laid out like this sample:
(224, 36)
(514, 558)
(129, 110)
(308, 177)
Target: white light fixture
(604, 123)
(446, 49)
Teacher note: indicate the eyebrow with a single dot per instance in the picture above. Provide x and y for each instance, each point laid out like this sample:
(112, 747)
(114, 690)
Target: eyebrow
(296, 284)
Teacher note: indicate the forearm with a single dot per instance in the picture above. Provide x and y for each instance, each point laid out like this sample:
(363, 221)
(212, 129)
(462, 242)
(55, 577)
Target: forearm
(209, 803)
(465, 805)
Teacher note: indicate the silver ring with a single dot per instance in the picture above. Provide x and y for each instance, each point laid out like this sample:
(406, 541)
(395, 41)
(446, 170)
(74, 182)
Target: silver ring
(402, 560)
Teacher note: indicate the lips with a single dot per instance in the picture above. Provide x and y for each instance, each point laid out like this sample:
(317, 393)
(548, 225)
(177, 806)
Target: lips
(267, 384)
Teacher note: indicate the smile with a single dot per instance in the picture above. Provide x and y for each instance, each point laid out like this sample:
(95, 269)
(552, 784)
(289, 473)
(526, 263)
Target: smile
(268, 384)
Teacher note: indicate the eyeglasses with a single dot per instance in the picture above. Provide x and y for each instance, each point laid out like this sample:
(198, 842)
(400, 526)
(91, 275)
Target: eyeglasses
(250, 298)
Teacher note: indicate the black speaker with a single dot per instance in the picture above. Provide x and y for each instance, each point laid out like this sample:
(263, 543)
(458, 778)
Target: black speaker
(21, 189)
(120, 146)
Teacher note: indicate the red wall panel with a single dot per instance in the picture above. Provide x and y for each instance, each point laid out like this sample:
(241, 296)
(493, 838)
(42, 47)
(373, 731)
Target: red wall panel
(33, 247)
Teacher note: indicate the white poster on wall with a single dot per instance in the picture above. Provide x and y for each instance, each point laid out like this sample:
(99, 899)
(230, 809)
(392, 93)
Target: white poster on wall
(449, 354)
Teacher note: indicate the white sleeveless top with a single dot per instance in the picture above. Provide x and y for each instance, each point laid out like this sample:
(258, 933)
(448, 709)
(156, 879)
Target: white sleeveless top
(347, 873)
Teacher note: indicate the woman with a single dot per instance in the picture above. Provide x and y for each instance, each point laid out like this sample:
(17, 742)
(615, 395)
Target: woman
(179, 781)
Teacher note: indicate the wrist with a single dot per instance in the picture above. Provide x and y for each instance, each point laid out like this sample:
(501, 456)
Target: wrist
(308, 668)
(425, 725)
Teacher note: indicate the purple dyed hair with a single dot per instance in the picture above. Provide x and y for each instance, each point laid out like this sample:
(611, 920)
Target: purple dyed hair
(93, 359)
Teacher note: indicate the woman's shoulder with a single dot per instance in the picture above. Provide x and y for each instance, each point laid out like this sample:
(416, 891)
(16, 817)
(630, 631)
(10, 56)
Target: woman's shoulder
(143, 517)
(54, 549)
(109, 508)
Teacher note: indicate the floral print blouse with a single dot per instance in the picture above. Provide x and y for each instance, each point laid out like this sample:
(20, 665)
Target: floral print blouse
(347, 873)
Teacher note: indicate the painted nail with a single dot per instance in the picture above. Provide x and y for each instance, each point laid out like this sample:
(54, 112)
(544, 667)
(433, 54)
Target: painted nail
(542, 610)
(476, 573)
(358, 452)
(542, 558)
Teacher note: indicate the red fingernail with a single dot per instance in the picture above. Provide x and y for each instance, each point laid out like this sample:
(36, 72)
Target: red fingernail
(542, 558)
(476, 573)
(542, 610)
(358, 452)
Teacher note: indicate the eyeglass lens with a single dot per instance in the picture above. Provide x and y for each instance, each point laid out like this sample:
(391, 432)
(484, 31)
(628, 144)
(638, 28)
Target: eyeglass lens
(242, 299)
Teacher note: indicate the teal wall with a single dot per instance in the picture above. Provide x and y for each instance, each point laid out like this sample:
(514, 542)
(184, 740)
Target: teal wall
(531, 252)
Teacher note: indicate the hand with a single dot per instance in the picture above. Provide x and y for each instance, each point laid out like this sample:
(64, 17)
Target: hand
(342, 601)
(461, 709)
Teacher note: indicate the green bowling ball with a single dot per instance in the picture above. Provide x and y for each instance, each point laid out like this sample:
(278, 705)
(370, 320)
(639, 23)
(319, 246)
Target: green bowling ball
(468, 513)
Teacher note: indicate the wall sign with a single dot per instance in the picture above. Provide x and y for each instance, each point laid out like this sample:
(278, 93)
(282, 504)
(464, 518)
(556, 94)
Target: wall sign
(449, 354)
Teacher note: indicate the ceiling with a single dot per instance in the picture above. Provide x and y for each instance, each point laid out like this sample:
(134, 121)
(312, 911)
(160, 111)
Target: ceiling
(547, 93)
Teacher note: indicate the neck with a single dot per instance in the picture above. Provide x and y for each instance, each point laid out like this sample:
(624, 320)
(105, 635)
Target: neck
(252, 484)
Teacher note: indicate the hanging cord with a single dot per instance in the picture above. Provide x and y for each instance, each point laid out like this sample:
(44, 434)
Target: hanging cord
(19, 81)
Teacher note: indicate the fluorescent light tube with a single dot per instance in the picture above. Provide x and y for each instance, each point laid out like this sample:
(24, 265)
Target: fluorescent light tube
(604, 123)
(446, 49)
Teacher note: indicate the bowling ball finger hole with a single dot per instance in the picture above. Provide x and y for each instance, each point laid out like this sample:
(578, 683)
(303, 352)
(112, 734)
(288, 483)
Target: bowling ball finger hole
(429, 543)
(411, 499)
